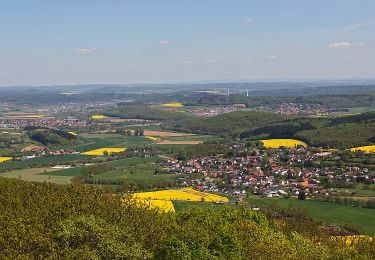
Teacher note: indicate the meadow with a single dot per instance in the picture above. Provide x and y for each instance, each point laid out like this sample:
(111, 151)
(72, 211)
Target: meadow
(277, 143)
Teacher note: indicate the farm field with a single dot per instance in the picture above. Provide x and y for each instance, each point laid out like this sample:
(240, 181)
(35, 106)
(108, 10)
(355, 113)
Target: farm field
(96, 141)
(4, 159)
(179, 142)
(367, 149)
(98, 116)
(158, 199)
(277, 143)
(162, 205)
(359, 192)
(132, 169)
(184, 194)
(137, 170)
(42, 161)
(36, 174)
(329, 212)
(102, 151)
(176, 105)
(5, 151)
(164, 133)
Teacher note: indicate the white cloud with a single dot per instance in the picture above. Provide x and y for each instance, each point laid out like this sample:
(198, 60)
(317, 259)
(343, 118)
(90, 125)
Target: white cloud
(210, 61)
(86, 50)
(345, 45)
(248, 20)
(164, 42)
(272, 57)
(358, 25)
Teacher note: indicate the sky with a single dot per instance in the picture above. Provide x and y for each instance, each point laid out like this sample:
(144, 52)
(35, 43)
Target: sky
(137, 41)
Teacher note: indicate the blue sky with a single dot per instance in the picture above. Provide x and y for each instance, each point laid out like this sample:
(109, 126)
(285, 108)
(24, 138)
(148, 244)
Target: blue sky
(127, 41)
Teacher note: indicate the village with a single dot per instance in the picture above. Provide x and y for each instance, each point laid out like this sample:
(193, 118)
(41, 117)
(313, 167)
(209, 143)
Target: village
(269, 173)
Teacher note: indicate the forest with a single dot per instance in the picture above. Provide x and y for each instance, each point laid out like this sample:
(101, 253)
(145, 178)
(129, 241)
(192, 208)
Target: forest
(43, 220)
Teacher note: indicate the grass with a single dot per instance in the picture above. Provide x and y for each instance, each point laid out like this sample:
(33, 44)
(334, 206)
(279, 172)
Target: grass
(137, 170)
(328, 212)
(359, 192)
(96, 141)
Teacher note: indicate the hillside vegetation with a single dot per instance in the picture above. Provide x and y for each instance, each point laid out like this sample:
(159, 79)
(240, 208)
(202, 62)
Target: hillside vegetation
(40, 220)
(51, 136)
(147, 113)
(340, 132)
(229, 123)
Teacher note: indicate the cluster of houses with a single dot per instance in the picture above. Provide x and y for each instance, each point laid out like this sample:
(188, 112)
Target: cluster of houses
(268, 173)
(33, 151)
(48, 122)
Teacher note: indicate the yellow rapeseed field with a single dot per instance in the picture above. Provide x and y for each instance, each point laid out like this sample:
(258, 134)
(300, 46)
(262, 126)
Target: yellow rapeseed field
(367, 149)
(162, 205)
(98, 116)
(277, 143)
(186, 194)
(100, 152)
(172, 105)
(34, 116)
(4, 159)
(153, 138)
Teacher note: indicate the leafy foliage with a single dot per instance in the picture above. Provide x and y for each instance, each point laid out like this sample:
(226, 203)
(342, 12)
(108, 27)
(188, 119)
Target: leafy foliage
(41, 220)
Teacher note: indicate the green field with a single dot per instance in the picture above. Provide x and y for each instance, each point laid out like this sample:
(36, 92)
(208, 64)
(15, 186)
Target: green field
(358, 192)
(36, 174)
(95, 141)
(129, 170)
(136, 170)
(42, 161)
(328, 212)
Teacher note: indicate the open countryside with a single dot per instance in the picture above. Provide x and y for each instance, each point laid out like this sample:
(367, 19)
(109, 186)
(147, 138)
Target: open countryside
(192, 130)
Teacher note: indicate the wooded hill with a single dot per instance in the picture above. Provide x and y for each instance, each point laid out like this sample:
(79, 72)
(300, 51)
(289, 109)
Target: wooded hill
(47, 221)
(341, 132)
(48, 136)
